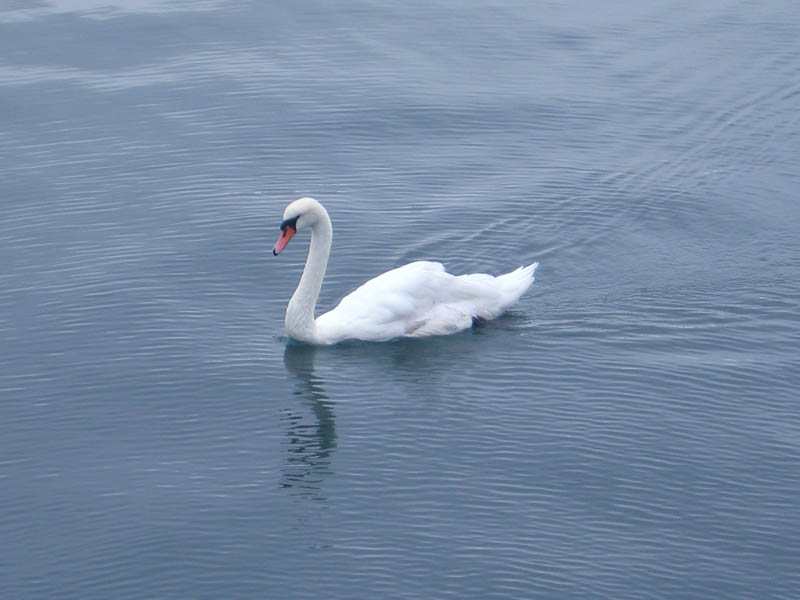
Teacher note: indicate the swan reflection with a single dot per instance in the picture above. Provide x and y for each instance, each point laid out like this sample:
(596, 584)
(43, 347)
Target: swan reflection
(311, 426)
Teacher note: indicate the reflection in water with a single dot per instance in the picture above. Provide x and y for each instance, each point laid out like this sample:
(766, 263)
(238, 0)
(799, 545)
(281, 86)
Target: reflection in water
(311, 437)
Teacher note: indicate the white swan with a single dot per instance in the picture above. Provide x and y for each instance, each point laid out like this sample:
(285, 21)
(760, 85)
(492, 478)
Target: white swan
(415, 300)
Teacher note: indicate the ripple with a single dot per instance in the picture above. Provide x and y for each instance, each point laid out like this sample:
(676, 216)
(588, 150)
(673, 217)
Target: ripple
(102, 9)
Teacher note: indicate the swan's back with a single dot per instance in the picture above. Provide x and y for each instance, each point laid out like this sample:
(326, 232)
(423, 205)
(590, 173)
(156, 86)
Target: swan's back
(421, 299)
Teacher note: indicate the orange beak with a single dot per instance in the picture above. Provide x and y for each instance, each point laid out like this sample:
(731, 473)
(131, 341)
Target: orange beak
(286, 235)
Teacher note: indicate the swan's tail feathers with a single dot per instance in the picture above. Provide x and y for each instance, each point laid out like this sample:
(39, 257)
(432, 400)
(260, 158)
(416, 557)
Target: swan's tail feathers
(516, 283)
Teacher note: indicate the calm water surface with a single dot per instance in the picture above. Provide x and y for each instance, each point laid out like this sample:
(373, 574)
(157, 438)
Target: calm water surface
(630, 430)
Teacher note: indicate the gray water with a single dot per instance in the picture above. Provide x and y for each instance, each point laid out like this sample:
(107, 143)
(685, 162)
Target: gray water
(630, 430)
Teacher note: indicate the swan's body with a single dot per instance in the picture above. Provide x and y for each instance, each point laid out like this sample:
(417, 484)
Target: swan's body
(414, 300)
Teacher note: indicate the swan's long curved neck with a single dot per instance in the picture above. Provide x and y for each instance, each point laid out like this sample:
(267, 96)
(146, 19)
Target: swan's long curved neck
(300, 312)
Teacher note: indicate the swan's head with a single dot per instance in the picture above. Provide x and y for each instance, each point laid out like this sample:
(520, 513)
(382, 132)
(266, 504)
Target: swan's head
(305, 212)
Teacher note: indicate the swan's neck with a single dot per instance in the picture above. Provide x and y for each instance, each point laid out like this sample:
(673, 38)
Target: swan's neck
(300, 312)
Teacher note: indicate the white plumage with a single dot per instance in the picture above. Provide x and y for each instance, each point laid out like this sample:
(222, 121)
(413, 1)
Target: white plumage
(415, 300)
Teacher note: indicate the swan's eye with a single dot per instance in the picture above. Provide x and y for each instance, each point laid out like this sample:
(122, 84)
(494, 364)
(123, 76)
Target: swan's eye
(290, 223)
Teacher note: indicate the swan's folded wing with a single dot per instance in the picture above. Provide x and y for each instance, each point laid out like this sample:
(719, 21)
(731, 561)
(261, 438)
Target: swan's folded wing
(389, 305)
(416, 300)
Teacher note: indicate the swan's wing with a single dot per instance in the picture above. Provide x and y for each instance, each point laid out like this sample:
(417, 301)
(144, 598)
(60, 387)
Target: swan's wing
(421, 299)
(383, 307)
(417, 299)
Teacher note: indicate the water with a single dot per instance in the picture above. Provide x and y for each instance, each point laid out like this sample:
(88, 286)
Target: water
(630, 430)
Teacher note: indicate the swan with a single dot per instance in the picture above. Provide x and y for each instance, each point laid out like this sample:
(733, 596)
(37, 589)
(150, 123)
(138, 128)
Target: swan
(415, 300)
